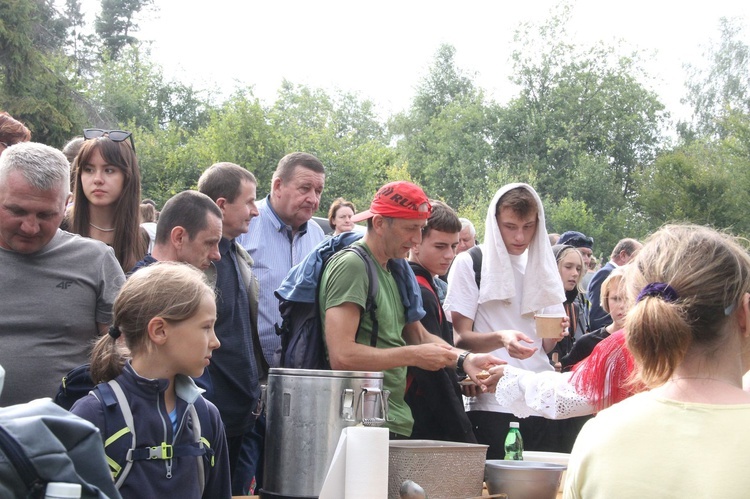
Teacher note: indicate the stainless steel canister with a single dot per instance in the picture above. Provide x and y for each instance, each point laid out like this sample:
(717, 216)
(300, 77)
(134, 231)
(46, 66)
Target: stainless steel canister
(305, 413)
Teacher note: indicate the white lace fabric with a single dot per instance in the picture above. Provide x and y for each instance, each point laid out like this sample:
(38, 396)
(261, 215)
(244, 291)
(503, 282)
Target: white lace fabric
(548, 394)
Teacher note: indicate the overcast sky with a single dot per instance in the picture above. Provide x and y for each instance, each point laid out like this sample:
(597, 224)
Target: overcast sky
(381, 49)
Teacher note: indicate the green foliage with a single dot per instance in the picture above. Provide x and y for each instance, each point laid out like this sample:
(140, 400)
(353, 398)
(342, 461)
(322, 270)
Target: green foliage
(34, 86)
(239, 133)
(343, 132)
(131, 88)
(584, 128)
(167, 167)
(699, 183)
(577, 102)
(116, 24)
(721, 88)
(78, 42)
(569, 214)
(444, 84)
(445, 138)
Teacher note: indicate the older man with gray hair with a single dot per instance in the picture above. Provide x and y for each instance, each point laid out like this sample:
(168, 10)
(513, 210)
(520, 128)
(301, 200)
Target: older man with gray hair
(467, 236)
(57, 289)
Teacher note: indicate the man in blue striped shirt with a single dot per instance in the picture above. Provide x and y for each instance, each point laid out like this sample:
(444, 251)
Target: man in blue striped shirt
(281, 236)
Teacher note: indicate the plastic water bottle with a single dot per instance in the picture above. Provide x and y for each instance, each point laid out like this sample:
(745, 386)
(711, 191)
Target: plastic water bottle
(60, 490)
(514, 443)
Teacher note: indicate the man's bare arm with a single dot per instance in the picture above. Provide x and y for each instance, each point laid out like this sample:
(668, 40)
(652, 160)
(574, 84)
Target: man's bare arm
(473, 364)
(346, 354)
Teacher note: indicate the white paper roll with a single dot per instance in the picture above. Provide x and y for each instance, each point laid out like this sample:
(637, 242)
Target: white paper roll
(333, 485)
(366, 463)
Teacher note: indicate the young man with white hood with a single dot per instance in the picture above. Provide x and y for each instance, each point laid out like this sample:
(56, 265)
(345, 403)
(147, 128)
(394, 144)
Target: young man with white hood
(519, 277)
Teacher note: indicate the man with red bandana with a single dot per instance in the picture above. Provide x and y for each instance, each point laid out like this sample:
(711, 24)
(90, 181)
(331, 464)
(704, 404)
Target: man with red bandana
(395, 220)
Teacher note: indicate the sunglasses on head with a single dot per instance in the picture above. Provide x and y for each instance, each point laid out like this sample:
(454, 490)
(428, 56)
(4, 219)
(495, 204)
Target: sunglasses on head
(582, 241)
(113, 135)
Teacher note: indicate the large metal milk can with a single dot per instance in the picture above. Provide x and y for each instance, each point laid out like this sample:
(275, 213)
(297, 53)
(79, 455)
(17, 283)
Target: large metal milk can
(305, 413)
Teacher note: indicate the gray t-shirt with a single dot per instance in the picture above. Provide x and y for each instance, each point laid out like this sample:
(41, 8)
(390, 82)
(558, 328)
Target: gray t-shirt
(50, 304)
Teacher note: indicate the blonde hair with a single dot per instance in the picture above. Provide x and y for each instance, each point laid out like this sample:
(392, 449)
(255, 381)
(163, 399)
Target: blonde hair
(614, 279)
(170, 290)
(560, 256)
(709, 271)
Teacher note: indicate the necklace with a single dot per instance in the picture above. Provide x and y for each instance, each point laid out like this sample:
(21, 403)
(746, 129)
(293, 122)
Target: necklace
(99, 228)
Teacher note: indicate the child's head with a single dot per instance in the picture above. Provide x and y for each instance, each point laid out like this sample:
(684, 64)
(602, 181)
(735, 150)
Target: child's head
(437, 249)
(163, 295)
(570, 266)
(687, 284)
(613, 298)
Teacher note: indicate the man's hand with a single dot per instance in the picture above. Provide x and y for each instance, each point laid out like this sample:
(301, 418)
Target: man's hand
(434, 356)
(475, 363)
(471, 390)
(513, 341)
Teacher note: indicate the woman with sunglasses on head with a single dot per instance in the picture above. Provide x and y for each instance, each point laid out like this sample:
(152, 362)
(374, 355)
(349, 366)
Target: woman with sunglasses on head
(107, 195)
(689, 334)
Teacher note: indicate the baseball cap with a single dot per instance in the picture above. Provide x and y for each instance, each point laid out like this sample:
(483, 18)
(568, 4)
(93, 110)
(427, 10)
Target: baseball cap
(576, 239)
(398, 200)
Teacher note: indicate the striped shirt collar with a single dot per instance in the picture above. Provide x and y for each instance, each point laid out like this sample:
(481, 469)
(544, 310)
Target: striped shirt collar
(278, 223)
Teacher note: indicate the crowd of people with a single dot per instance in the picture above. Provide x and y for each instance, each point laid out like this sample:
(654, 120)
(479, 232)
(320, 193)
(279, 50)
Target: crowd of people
(176, 313)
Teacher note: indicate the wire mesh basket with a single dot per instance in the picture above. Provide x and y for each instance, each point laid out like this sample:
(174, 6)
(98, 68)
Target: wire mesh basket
(445, 470)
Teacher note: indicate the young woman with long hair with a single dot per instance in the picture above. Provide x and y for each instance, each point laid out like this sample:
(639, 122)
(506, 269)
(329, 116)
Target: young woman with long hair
(107, 195)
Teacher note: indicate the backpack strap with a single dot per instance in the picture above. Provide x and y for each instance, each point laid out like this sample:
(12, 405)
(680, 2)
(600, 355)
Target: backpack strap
(201, 419)
(422, 280)
(117, 412)
(476, 259)
(372, 291)
(18, 460)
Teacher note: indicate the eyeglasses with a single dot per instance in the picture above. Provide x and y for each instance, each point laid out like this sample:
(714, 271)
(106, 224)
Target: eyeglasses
(113, 135)
(4, 145)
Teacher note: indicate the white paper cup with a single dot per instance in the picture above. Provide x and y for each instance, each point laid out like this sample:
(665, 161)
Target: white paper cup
(548, 325)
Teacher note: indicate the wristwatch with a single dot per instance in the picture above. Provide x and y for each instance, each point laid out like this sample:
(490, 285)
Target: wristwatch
(460, 364)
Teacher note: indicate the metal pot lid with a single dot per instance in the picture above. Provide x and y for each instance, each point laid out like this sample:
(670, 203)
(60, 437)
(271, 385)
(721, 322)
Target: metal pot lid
(324, 373)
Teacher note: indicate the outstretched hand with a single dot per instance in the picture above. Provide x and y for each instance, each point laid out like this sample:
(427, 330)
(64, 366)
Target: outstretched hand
(513, 341)
(477, 366)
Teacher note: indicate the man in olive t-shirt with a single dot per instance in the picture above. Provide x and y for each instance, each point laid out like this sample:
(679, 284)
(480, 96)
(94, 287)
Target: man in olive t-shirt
(395, 220)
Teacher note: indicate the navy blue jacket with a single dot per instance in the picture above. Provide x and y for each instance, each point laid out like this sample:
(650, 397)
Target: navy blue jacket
(598, 318)
(152, 426)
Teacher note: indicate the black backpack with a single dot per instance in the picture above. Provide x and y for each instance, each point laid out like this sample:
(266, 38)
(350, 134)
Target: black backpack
(301, 330)
(75, 385)
(475, 252)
